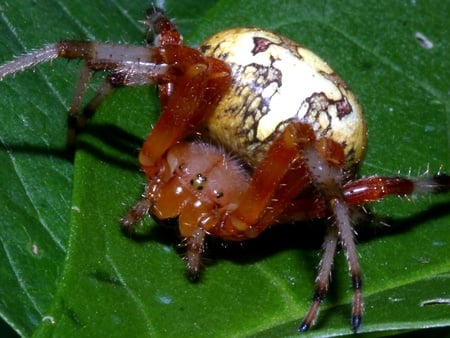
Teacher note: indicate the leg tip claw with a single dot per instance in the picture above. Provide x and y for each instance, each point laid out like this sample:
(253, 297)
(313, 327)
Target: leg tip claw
(303, 327)
(356, 323)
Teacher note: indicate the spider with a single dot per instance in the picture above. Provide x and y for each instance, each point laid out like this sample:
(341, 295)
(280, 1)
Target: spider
(255, 131)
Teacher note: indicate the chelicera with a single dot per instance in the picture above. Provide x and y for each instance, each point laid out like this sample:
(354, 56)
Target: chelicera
(255, 131)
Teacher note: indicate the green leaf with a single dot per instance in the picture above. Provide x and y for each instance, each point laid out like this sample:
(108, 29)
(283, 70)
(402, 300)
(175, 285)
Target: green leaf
(106, 284)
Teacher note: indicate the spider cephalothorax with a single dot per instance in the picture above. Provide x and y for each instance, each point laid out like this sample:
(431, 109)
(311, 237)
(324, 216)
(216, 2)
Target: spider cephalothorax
(255, 130)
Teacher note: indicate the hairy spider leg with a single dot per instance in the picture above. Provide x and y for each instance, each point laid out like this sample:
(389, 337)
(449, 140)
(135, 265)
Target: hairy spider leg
(80, 89)
(354, 193)
(291, 190)
(161, 30)
(267, 191)
(195, 247)
(77, 121)
(166, 32)
(345, 201)
(323, 276)
(322, 166)
(280, 177)
(357, 193)
(326, 165)
(342, 200)
(199, 82)
(365, 190)
(374, 188)
(126, 66)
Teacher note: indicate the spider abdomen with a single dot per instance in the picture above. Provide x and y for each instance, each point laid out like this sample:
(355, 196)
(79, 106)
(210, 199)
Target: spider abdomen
(274, 82)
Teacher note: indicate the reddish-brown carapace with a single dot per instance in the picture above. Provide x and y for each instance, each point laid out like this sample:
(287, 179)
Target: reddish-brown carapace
(255, 131)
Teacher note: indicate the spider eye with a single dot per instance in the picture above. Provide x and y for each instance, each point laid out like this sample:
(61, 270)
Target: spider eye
(198, 182)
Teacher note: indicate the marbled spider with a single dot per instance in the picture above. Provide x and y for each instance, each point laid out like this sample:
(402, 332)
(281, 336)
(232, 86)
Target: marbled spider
(255, 131)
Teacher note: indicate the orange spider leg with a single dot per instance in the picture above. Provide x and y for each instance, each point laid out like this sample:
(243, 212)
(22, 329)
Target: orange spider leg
(201, 84)
(162, 32)
(365, 190)
(299, 177)
(159, 24)
(305, 207)
(374, 188)
(273, 169)
(280, 178)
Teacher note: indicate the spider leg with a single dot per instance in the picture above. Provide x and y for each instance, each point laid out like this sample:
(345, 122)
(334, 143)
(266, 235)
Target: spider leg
(73, 122)
(195, 243)
(161, 32)
(127, 66)
(197, 90)
(195, 247)
(98, 56)
(161, 28)
(375, 188)
(80, 89)
(268, 191)
(328, 178)
(281, 176)
(301, 176)
(341, 211)
(105, 89)
(24, 62)
(323, 276)
(137, 212)
(294, 181)
(304, 208)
